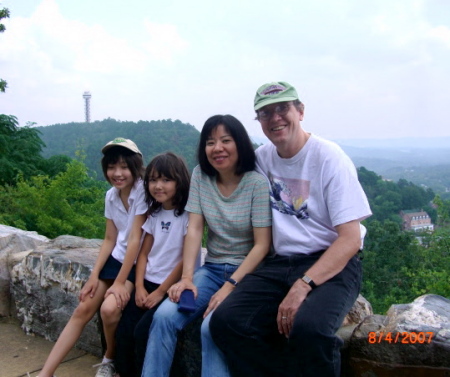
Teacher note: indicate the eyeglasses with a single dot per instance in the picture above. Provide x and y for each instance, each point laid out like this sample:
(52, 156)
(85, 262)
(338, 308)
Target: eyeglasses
(281, 109)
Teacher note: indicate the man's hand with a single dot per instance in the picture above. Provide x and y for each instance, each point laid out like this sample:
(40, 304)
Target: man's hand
(289, 306)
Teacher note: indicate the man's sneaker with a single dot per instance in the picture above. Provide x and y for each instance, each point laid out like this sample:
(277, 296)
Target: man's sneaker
(105, 369)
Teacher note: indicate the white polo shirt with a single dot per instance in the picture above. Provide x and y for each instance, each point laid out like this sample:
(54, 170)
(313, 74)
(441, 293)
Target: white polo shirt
(123, 219)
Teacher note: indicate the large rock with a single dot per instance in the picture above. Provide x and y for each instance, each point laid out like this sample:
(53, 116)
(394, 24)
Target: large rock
(45, 287)
(411, 340)
(13, 241)
(46, 277)
(45, 284)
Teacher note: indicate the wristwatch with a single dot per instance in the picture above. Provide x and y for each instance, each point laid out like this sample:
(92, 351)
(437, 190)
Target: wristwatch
(232, 281)
(309, 281)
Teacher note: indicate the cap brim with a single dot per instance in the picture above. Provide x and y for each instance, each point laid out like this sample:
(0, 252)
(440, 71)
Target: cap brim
(270, 101)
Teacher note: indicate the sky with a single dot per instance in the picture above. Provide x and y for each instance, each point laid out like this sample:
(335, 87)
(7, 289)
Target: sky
(364, 69)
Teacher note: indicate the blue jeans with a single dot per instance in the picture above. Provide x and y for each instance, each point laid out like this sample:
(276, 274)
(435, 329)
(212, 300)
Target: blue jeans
(244, 326)
(213, 359)
(168, 321)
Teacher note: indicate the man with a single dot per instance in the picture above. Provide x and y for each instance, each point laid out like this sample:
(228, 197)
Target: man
(281, 320)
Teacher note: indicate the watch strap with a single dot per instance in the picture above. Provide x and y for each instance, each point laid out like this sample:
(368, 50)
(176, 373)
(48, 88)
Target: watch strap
(232, 281)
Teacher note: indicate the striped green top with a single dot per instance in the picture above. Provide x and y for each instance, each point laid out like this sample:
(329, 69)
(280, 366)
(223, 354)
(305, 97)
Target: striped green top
(230, 219)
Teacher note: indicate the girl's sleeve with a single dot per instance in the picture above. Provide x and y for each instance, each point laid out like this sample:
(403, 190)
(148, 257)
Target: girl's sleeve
(108, 213)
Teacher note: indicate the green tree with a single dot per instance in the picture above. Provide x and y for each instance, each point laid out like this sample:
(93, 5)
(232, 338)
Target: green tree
(443, 211)
(20, 150)
(388, 254)
(397, 268)
(55, 165)
(70, 203)
(4, 13)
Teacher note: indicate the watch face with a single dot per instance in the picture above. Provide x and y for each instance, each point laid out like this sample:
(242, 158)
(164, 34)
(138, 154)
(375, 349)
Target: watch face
(306, 279)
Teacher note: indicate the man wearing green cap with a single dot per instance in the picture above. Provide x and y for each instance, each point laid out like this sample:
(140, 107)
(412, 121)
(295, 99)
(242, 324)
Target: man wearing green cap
(281, 320)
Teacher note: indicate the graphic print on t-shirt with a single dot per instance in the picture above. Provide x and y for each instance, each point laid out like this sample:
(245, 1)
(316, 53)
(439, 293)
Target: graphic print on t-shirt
(289, 196)
(165, 226)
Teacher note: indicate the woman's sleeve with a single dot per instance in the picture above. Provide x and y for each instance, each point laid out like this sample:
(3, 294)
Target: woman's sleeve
(193, 205)
(261, 211)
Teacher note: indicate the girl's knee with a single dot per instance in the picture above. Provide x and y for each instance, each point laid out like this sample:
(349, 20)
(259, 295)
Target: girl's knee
(84, 311)
(110, 312)
(166, 311)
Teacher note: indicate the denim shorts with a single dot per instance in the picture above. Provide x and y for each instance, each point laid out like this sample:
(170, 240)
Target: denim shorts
(111, 269)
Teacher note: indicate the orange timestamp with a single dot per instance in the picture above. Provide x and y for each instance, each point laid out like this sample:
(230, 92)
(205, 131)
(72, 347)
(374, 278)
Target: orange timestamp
(400, 337)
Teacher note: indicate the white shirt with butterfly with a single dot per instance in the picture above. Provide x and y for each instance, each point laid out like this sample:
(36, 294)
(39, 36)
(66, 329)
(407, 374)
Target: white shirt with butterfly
(168, 232)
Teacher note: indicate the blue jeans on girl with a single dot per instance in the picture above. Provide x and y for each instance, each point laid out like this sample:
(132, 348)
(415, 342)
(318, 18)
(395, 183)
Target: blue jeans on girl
(168, 321)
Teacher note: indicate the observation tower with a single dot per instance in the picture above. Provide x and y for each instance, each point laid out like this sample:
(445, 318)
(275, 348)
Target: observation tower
(87, 106)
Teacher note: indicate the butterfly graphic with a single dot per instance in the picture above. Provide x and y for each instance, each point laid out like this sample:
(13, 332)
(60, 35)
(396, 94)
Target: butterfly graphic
(165, 225)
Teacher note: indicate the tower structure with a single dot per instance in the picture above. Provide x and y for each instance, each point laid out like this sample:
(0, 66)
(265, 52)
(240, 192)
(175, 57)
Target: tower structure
(87, 106)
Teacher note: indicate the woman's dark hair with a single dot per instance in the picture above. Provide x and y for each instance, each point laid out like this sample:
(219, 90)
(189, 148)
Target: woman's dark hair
(133, 160)
(246, 154)
(173, 167)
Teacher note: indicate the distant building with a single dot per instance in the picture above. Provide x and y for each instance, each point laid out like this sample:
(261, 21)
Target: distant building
(87, 106)
(417, 221)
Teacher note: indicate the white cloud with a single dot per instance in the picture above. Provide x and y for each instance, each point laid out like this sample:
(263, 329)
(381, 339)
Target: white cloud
(164, 41)
(441, 34)
(360, 66)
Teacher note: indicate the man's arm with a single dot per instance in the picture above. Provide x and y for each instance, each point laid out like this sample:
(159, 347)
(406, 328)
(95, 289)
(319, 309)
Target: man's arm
(329, 264)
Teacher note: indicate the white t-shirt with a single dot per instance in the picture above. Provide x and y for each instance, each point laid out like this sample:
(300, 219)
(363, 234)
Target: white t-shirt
(168, 232)
(310, 194)
(123, 219)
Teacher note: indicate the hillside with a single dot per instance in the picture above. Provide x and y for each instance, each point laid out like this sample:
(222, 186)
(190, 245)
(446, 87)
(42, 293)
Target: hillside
(422, 161)
(424, 166)
(151, 137)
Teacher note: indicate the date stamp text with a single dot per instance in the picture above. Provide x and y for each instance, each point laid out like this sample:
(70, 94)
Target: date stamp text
(400, 337)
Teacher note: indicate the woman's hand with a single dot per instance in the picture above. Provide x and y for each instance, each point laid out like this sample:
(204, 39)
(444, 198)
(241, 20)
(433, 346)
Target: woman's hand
(175, 290)
(89, 288)
(120, 293)
(218, 297)
(154, 298)
(140, 297)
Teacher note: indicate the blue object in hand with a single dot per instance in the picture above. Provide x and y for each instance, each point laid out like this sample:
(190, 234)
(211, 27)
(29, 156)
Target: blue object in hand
(187, 302)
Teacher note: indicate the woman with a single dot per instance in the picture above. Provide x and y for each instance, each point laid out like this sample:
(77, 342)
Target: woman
(233, 200)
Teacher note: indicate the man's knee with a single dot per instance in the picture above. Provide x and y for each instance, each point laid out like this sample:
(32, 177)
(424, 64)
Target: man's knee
(217, 324)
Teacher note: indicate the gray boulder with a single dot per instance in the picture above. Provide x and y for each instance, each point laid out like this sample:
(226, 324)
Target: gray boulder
(45, 287)
(411, 340)
(13, 244)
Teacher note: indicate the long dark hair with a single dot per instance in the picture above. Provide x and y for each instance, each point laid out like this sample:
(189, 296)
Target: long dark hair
(173, 167)
(246, 154)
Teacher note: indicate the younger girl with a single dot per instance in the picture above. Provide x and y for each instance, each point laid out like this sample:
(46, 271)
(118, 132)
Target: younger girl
(159, 263)
(110, 282)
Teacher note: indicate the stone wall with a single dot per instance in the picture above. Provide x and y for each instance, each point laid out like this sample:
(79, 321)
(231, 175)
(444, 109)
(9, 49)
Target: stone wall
(40, 280)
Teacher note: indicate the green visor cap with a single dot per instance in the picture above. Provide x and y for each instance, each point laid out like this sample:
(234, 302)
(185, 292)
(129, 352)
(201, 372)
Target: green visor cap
(274, 92)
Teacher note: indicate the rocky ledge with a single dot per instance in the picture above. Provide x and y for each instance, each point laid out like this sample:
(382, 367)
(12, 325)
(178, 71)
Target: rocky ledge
(40, 280)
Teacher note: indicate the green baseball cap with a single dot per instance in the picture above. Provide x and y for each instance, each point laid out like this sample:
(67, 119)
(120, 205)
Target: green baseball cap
(274, 92)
